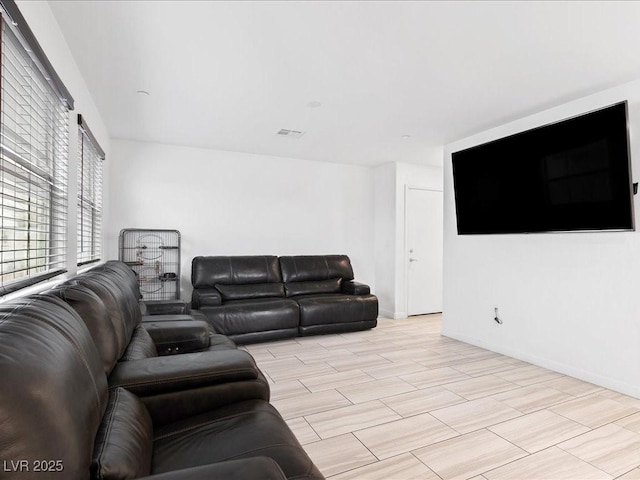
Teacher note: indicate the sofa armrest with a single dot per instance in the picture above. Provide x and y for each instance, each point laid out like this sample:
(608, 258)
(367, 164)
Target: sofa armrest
(182, 336)
(351, 287)
(164, 307)
(205, 297)
(157, 375)
(167, 408)
(173, 317)
(198, 315)
(263, 468)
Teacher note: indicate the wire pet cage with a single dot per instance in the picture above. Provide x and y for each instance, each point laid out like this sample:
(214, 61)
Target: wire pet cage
(154, 255)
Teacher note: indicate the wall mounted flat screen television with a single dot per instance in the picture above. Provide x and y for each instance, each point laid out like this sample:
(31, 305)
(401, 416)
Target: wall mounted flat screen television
(573, 175)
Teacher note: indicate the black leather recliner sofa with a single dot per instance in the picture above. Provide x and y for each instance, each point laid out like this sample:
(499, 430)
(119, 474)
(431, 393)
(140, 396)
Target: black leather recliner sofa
(197, 380)
(261, 298)
(61, 418)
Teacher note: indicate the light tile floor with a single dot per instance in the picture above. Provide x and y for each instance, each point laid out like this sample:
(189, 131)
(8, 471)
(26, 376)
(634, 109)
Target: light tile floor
(403, 402)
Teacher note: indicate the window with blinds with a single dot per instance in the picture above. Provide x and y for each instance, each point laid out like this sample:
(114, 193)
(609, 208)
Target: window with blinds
(33, 163)
(89, 195)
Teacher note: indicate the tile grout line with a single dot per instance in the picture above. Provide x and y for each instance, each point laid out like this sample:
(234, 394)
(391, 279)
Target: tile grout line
(442, 348)
(434, 472)
(585, 461)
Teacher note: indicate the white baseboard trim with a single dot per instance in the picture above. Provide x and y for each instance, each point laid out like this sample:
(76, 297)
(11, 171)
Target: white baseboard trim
(566, 369)
(393, 315)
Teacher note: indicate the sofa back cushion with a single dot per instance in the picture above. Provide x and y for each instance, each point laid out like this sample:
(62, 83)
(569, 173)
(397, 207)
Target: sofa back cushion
(122, 315)
(207, 272)
(95, 316)
(124, 272)
(257, 290)
(54, 390)
(312, 287)
(124, 442)
(305, 268)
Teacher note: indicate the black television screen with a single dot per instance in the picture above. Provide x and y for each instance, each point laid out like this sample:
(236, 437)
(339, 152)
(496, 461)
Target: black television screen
(573, 175)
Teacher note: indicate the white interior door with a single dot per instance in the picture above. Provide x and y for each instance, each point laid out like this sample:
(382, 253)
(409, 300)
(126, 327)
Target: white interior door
(423, 250)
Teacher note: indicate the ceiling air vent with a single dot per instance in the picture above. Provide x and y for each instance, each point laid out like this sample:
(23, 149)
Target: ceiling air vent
(285, 132)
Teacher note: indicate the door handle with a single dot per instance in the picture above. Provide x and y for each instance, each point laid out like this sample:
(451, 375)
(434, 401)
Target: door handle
(413, 259)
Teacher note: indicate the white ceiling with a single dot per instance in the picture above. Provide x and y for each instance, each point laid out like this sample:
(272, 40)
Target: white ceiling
(229, 75)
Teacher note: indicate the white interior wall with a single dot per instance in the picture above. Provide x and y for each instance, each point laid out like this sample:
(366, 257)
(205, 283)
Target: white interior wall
(228, 203)
(569, 301)
(390, 182)
(385, 237)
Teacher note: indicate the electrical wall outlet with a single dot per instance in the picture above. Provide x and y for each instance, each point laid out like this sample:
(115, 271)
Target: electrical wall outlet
(496, 315)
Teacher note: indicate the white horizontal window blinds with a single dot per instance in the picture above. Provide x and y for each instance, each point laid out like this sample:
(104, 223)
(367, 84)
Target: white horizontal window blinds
(89, 196)
(33, 166)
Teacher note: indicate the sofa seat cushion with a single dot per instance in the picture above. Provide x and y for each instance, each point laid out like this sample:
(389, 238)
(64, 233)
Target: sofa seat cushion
(336, 308)
(245, 316)
(241, 430)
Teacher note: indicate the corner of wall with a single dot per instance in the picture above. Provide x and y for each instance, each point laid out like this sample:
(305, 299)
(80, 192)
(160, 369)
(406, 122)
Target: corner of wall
(384, 239)
(392, 315)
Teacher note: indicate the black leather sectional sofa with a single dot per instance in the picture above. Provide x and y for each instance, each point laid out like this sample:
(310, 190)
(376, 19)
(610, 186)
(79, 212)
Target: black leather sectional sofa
(87, 393)
(262, 298)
